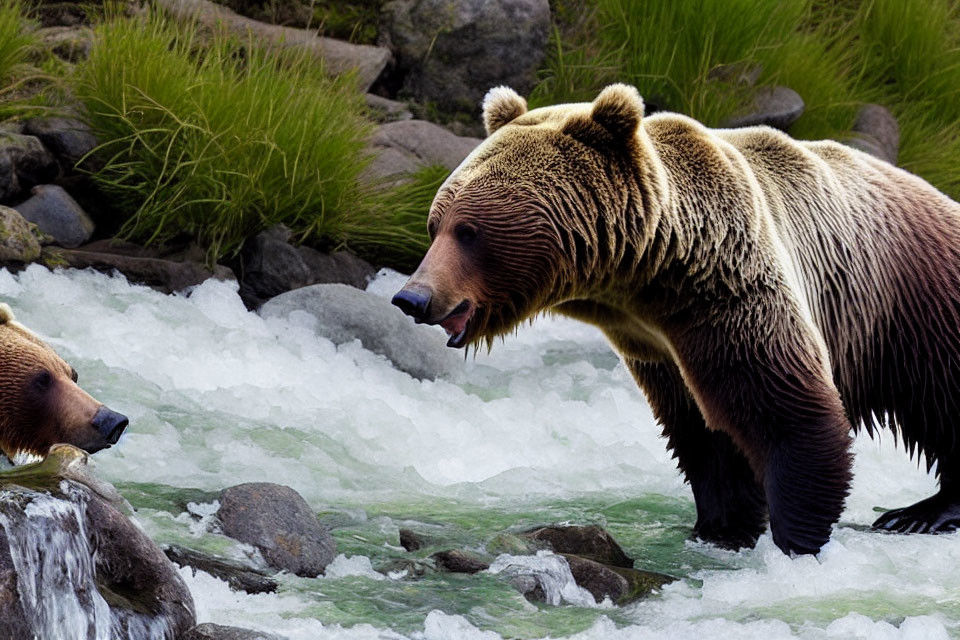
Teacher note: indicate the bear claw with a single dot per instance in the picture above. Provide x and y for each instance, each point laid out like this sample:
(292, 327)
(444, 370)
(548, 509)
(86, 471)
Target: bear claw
(933, 515)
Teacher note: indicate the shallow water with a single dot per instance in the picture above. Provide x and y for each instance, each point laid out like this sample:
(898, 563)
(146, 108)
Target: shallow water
(547, 428)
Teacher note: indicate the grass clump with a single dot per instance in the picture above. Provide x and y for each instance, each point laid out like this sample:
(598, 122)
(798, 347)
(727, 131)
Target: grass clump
(216, 139)
(19, 77)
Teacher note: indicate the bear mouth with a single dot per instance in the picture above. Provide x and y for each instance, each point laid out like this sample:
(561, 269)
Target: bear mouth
(457, 324)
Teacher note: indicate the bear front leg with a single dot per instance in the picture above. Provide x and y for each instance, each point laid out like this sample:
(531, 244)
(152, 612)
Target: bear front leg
(731, 507)
(757, 374)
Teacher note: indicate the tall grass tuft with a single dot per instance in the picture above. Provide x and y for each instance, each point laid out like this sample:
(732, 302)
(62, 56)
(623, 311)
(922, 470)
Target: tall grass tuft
(214, 138)
(18, 74)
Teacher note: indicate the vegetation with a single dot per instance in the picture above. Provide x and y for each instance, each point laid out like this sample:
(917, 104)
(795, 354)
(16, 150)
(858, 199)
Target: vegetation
(18, 74)
(219, 139)
(689, 56)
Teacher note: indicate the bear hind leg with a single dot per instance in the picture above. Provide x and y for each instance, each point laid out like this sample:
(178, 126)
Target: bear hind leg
(940, 513)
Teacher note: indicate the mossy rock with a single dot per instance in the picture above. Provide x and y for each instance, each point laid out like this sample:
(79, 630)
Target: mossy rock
(18, 242)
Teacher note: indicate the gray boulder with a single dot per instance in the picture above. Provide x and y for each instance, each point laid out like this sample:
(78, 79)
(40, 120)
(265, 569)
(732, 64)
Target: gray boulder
(72, 44)
(450, 52)
(58, 215)
(24, 162)
(71, 563)
(385, 110)
(239, 577)
(877, 133)
(345, 313)
(401, 148)
(777, 107)
(68, 138)
(210, 631)
(270, 265)
(18, 240)
(278, 521)
(338, 57)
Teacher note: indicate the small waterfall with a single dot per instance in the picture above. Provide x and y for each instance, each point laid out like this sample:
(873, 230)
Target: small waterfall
(50, 548)
(550, 571)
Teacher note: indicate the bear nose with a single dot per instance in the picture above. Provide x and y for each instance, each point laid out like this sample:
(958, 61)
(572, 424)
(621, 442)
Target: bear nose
(413, 300)
(109, 424)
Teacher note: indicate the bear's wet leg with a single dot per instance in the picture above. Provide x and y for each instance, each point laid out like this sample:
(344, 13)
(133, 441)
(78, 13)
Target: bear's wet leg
(940, 513)
(731, 508)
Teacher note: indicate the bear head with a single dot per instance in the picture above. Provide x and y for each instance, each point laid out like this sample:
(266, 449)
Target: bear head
(40, 402)
(516, 228)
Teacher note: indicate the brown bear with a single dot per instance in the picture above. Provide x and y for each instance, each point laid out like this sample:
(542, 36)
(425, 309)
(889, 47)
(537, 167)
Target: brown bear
(40, 402)
(765, 293)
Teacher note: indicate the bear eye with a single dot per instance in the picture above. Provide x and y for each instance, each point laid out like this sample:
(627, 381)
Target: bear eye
(42, 381)
(465, 234)
(74, 375)
(432, 228)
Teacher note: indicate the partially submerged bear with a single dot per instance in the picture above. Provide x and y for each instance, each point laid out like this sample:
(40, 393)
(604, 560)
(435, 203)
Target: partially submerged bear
(765, 293)
(40, 402)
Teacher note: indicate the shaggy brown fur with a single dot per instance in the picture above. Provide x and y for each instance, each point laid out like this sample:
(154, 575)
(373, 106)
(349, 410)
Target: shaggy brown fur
(40, 402)
(764, 292)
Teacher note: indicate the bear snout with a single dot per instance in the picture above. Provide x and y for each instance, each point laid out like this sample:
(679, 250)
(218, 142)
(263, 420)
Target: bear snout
(109, 424)
(413, 300)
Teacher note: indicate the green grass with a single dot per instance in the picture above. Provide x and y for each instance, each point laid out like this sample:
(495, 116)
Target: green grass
(19, 76)
(218, 140)
(836, 54)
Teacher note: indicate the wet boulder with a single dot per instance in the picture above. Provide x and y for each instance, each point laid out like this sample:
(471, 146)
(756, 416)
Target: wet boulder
(622, 586)
(590, 542)
(72, 563)
(236, 575)
(344, 314)
(459, 562)
(280, 524)
(58, 215)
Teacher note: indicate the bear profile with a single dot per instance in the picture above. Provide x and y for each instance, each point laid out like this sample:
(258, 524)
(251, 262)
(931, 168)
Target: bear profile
(40, 402)
(767, 294)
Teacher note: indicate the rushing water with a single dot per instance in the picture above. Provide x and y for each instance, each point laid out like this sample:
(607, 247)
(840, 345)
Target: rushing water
(547, 428)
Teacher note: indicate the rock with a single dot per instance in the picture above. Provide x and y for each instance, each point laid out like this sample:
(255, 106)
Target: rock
(68, 138)
(413, 569)
(344, 314)
(161, 274)
(277, 520)
(24, 162)
(459, 562)
(57, 214)
(877, 133)
(450, 52)
(270, 265)
(740, 73)
(69, 562)
(338, 57)
(72, 44)
(590, 542)
(410, 541)
(601, 581)
(403, 147)
(384, 110)
(777, 107)
(18, 242)
(210, 631)
(239, 577)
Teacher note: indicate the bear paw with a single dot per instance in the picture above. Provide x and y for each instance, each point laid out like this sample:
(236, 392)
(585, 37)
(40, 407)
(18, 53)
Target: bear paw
(936, 514)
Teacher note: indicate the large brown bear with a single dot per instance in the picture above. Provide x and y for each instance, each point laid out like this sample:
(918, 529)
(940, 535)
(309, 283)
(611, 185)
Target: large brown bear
(40, 402)
(766, 294)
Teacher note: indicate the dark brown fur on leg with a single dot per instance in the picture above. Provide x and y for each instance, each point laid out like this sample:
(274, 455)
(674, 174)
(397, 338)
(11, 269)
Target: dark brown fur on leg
(731, 508)
(765, 385)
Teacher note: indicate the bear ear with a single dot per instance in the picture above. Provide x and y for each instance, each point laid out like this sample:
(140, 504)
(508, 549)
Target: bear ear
(6, 314)
(501, 105)
(618, 109)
